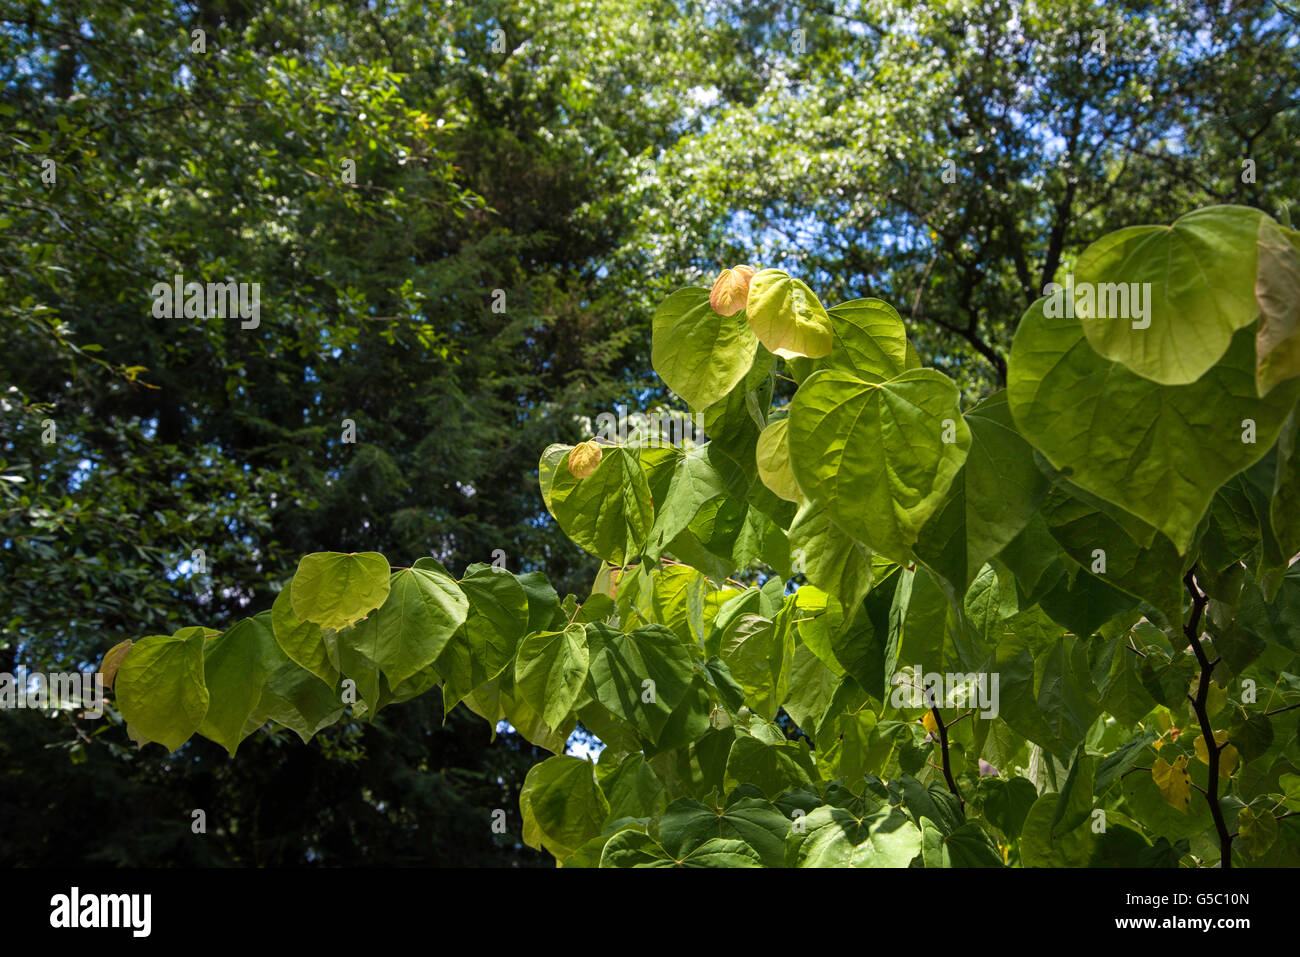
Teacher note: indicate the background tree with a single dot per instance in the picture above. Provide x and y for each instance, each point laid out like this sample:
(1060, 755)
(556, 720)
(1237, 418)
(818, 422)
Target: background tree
(582, 161)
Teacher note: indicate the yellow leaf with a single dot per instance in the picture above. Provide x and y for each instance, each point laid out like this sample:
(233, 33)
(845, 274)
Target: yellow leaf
(731, 290)
(1174, 782)
(584, 459)
(1227, 757)
(113, 659)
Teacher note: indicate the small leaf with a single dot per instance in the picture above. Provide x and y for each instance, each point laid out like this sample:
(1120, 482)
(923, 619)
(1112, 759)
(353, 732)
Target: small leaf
(1173, 780)
(731, 290)
(584, 459)
(113, 659)
(1257, 829)
(1227, 756)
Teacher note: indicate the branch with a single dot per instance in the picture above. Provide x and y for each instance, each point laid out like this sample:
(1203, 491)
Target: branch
(947, 764)
(1212, 748)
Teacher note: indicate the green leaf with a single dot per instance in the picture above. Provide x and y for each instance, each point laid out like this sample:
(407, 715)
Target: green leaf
(876, 453)
(688, 824)
(302, 641)
(835, 837)
(966, 846)
(494, 625)
(336, 590)
(236, 665)
(758, 653)
(411, 628)
(562, 805)
(1257, 828)
(772, 767)
(787, 316)
(1098, 543)
(700, 354)
(1006, 802)
(609, 513)
(862, 645)
(1046, 692)
(699, 476)
(632, 788)
(300, 701)
(828, 557)
(869, 340)
(160, 687)
(1284, 507)
(631, 848)
(1159, 452)
(991, 500)
(1040, 846)
(640, 676)
(1200, 273)
(773, 456)
(550, 671)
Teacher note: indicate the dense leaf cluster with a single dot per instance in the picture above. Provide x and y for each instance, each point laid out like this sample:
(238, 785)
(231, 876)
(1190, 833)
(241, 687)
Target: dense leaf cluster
(1102, 552)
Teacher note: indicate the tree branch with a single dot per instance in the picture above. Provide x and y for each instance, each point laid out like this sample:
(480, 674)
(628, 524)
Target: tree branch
(1213, 749)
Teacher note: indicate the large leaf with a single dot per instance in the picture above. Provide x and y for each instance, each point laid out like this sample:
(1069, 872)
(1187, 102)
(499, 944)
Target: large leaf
(631, 848)
(687, 824)
(609, 513)
(759, 652)
(236, 666)
(1200, 273)
(876, 454)
(631, 787)
(640, 676)
(787, 316)
(1159, 452)
(836, 837)
(336, 590)
(870, 341)
(299, 700)
(562, 805)
(829, 557)
(160, 687)
(482, 647)
(700, 354)
(990, 501)
(411, 628)
(550, 671)
(698, 477)
(771, 766)
(1097, 542)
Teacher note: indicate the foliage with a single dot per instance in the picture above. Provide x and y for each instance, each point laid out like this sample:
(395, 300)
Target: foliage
(1113, 550)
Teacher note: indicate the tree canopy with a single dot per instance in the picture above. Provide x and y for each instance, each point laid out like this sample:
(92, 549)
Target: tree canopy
(465, 222)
